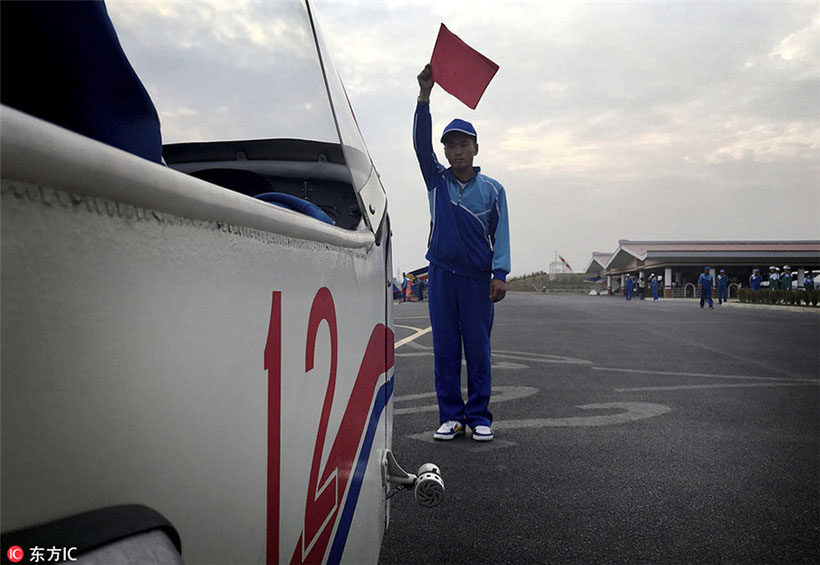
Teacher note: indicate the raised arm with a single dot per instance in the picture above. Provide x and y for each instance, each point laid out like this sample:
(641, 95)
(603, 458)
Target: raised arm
(426, 83)
(423, 130)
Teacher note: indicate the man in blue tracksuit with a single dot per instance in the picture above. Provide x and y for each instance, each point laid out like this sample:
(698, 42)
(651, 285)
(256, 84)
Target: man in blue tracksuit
(628, 286)
(653, 281)
(706, 281)
(404, 283)
(469, 255)
(755, 280)
(723, 287)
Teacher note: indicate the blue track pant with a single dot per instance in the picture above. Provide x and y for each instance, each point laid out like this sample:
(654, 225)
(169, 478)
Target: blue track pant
(706, 295)
(461, 313)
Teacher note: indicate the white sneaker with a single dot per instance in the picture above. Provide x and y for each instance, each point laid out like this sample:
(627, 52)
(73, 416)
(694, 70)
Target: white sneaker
(449, 430)
(483, 433)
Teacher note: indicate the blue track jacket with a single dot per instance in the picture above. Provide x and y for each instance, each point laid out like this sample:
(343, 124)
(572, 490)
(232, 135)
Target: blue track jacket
(754, 282)
(470, 227)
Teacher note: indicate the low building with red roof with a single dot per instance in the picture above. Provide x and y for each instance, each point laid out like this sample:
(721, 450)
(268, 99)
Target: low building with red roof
(678, 263)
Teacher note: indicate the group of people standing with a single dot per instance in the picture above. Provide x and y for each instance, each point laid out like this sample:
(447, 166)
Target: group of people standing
(706, 281)
(631, 285)
(780, 280)
(777, 280)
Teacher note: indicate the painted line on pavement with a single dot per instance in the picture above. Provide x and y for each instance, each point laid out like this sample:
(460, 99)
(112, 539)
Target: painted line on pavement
(501, 393)
(410, 338)
(696, 387)
(505, 365)
(708, 375)
(457, 443)
(632, 412)
(540, 358)
(502, 354)
(488, 445)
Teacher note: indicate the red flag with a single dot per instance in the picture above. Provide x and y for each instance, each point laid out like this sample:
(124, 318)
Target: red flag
(459, 69)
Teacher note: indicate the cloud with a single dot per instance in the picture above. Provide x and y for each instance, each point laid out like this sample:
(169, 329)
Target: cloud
(801, 50)
(751, 140)
(546, 148)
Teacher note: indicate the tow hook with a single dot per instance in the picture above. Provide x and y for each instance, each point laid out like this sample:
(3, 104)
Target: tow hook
(427, 484)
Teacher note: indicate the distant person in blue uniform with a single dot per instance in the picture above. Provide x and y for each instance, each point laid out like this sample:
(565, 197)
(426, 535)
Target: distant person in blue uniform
(469, 254)
(755, 280)
(404, 283)
(653, 282)
(808, 281)
(706, 282)
(62, 62)
(723, 287)
(628, 286)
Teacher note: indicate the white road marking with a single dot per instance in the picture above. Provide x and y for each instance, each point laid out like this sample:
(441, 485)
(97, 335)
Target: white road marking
(542, 357)
(515, 355)
(634, 411)
(495, 365)
(500, 394)
(410, 338)
(707, 375)
(695, 387)
(497, 443)
(507, 365)
(628, 411)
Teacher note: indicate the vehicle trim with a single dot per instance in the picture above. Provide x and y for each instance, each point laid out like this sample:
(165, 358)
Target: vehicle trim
(39, 152)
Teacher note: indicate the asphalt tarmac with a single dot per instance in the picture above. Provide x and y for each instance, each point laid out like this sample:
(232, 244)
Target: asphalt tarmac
(626, 432)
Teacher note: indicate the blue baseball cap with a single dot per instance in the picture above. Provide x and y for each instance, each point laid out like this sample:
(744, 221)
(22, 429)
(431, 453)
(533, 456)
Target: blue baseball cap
(459, 125)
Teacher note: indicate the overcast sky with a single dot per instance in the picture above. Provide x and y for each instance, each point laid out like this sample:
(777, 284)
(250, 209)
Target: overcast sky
(606, 121)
